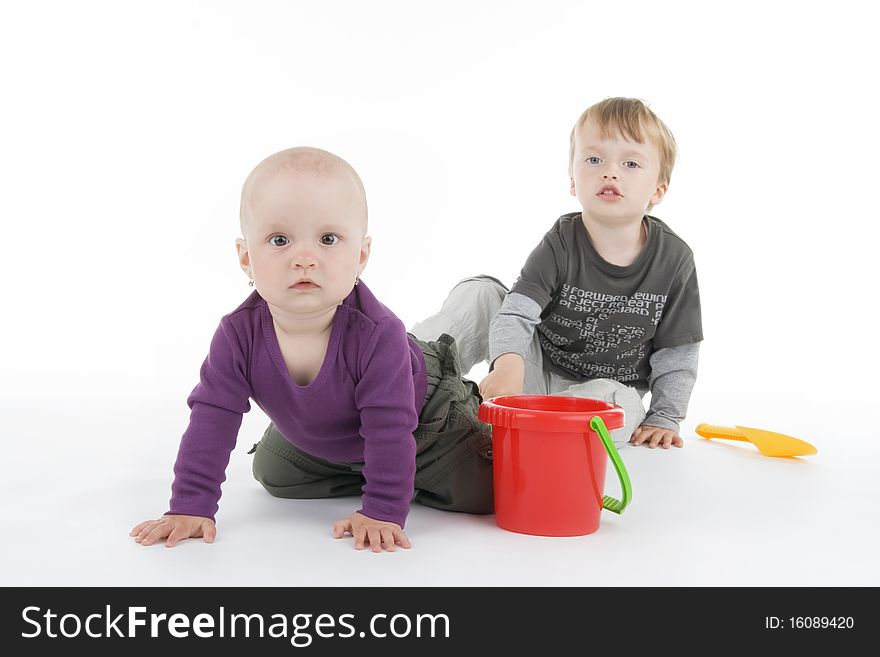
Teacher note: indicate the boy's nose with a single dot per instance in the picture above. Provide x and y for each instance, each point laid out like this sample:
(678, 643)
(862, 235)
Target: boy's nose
(609, 174)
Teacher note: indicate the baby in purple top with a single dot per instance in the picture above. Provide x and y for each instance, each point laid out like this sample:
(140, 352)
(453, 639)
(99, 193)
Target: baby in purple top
(352, 397)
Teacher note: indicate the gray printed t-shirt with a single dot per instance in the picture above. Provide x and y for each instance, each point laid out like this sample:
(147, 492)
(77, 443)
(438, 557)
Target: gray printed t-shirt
(601, 320)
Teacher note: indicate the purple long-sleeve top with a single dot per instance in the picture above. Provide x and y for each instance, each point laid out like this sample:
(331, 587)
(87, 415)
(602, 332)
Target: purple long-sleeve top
(362, 407)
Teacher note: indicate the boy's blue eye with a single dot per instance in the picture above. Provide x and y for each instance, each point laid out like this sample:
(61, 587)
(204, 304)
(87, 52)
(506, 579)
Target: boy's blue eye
(329, 239)
(630, 164)
(593, 160)
(279, 240)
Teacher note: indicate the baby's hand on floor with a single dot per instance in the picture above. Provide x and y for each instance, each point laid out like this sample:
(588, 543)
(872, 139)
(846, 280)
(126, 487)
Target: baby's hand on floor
(377, 533)
(174, 528)
(654, 436)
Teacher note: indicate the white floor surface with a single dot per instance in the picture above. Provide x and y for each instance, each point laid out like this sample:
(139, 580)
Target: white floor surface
(714, 513)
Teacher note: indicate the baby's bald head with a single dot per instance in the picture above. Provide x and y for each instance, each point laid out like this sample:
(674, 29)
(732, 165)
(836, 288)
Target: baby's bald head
(304, 161)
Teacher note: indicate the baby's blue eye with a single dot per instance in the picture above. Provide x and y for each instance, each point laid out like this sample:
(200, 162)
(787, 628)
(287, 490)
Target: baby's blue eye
(593, 160)
(630, 164)
(329, 239)
(279, 240)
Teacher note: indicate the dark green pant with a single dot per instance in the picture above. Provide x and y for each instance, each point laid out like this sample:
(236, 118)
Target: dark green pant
(453, 448)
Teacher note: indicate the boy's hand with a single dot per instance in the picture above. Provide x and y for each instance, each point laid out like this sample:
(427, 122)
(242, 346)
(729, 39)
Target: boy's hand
(376, 532)
(174, 528)
(656, 436)
(506, 377)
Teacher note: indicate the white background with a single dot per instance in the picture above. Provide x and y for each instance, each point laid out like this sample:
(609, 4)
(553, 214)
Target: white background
(127, 130)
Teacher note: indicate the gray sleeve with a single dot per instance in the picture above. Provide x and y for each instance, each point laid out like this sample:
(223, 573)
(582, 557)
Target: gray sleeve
(682, 322)
(542, 272)
(513, 327)
(673, 374)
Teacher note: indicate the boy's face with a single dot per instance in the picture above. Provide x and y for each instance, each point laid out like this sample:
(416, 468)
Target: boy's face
(304, 243)
(615, 179)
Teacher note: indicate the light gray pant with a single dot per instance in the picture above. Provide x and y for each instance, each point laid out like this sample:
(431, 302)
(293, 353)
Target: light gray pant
(466, 314)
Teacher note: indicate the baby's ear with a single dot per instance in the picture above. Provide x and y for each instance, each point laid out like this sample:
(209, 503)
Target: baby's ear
(365, 251)
(573, 192)
(244, 258)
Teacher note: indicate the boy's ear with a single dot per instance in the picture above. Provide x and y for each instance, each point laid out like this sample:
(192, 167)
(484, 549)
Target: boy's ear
(659, 193)
(573, 192)
(244, 258)
(365, 252)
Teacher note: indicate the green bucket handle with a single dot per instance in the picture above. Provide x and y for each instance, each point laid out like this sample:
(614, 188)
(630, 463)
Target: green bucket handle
(608, 502)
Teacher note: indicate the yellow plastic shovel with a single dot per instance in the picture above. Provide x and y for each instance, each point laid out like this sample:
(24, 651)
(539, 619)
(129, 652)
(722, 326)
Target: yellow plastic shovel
(767, 442)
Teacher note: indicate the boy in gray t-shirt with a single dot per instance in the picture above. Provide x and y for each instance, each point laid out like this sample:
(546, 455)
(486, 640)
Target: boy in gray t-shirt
(607, 305)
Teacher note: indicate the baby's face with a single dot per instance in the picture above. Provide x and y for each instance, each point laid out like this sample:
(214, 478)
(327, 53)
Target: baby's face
(304, 243)
(615, 179)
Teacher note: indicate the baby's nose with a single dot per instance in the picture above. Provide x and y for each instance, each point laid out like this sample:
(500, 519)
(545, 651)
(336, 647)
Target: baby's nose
(303, 257)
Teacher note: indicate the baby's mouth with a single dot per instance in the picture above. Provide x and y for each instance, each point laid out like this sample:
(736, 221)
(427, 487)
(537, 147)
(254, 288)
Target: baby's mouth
(304, 285)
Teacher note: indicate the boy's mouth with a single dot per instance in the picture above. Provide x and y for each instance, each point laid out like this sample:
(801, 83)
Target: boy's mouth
(609, 192)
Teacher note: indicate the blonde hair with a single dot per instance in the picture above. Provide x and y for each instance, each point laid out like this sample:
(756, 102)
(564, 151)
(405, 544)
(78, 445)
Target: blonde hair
(302, 159)
(633, 119)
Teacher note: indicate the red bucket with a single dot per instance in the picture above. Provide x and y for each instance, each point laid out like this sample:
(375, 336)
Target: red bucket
(549, 462)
